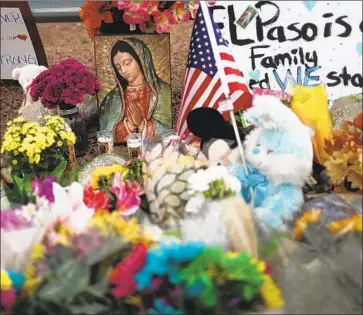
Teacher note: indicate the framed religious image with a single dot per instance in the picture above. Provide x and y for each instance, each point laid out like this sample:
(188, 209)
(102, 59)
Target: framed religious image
(134, 71)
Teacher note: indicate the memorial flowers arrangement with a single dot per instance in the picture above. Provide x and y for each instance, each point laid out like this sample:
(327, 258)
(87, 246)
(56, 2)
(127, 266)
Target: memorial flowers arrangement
(213, 183)
(112, 266)
(158, 16)
(344, 167)
(35, 149)
(64, 84)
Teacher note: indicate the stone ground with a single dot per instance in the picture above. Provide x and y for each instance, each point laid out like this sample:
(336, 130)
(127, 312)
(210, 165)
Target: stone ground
(62, 40)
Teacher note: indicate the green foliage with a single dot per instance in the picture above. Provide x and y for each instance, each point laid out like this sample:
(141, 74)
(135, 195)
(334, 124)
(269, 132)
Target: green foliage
(217, 190)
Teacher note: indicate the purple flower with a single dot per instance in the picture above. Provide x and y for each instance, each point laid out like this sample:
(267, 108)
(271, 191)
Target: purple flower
(45, 188)
(11, 220)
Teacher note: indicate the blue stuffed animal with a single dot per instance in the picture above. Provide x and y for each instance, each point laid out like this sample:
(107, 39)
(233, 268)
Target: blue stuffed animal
(279, 154)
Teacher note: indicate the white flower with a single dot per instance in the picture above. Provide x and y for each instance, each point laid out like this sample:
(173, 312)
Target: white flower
(199, 182)
(153, 232)
(195, 204)
(69, 207)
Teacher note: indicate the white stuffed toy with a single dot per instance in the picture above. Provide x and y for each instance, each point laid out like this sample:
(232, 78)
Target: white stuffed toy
(30, 110)
(279, 154)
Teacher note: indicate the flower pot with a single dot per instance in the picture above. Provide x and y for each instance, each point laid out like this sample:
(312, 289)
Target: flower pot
(227, 223)
(89, 109)
(74, 119)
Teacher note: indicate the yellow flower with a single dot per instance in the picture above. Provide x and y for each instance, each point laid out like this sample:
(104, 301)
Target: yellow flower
(106, 172)
(6, 282)
(18, 120)
(15, 162)
(133, 300)
(303, 221)
(37, 253)
(59, 143)
(352, 224)
(271, 294)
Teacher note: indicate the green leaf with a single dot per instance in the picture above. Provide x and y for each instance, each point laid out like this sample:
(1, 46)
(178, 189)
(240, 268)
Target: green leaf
(248, 292)
(112, 246)
(90, 308)
(70, 279)
(59, 170)
(19, 183)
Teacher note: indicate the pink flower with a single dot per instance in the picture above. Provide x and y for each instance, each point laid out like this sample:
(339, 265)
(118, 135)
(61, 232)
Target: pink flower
(72, 96)
(139, 7)
(8, 299)
(128, 200)
(180, 13)
(192, 6)
(134, 17)
(164, 21)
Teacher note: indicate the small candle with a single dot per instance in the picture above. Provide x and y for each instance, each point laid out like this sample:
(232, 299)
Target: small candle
(105, 142)
(134, 145)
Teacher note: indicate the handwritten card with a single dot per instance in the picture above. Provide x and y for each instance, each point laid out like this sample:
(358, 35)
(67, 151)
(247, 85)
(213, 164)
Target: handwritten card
(17, 49)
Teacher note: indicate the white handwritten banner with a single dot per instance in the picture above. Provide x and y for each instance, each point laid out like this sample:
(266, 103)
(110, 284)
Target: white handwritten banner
(16, 46)
(296, 42)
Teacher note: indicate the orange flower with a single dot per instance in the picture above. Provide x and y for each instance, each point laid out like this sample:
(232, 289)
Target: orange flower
(164, 20)
(180, 13)
(302, 223)
(93, 13)
(352, 224)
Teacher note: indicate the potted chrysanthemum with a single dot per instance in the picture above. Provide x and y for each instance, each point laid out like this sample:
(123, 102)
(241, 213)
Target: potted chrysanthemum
(71, 88)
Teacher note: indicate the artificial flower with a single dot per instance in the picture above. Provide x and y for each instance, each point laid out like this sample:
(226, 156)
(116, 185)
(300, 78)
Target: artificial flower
(164, 20)
(122, 277)
(127, 195)
(180, 13)
(192, 6)
(302, 223)
(97, 200)
(93, 13)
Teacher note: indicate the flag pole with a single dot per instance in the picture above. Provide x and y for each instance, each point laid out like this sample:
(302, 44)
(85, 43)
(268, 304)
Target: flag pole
(224, 83)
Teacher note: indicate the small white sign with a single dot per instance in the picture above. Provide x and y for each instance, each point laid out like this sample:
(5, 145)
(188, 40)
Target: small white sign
(225, 105)
(16, 46)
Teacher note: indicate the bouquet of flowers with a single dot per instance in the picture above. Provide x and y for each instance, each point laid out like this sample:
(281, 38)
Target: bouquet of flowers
(344, 166)
(157, 16)
(64, 85)
(36, 149)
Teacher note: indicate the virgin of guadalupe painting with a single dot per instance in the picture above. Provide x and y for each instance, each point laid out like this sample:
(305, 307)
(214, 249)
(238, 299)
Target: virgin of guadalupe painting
(139, 101)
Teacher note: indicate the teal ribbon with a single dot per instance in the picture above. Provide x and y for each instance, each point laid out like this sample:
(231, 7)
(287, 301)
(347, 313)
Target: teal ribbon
(255, 180)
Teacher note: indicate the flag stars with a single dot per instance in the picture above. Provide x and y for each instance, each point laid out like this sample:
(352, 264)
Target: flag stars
(199, 46)
(203, 66)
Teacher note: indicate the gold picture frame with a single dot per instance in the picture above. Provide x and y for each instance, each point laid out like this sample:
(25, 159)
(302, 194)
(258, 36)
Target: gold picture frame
(135, 76)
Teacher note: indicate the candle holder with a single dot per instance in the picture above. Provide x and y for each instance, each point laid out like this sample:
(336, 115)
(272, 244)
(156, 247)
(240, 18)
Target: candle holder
(105, 142)
(134, 145)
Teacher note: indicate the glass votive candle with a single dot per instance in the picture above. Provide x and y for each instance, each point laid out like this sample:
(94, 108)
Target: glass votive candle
(134, 145)
(105, 142)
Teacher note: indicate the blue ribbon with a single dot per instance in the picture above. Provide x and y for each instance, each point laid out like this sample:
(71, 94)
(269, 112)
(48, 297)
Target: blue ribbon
(255, 180)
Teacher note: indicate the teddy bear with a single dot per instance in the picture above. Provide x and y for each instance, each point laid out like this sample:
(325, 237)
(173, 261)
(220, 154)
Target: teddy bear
(279, 155)
(29, 110)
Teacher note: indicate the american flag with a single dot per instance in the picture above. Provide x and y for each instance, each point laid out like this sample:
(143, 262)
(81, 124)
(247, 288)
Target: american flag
(202, 83)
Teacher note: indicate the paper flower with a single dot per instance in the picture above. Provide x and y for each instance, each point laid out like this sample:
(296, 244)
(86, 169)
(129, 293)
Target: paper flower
(127, 194)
